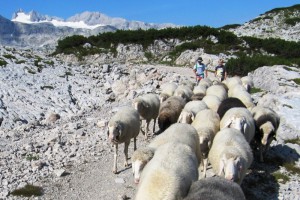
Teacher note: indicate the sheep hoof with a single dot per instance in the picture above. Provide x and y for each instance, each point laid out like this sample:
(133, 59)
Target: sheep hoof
(114, 171)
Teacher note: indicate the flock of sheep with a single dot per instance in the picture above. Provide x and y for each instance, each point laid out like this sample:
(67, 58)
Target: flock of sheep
(214, 123)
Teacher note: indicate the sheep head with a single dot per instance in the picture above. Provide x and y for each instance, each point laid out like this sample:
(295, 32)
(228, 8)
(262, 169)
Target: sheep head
(139, 159)
(114, 132)
(237, 122)
(230, 167)
(186, 117)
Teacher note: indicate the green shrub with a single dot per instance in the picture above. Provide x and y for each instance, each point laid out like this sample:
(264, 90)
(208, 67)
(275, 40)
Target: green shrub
(28, 191)
(292, 21)
(255, 90)
(20, 61)
(3, 63)
(297, 81)
(279, 176)
(8, 56)
(31, 157)
(293, 141)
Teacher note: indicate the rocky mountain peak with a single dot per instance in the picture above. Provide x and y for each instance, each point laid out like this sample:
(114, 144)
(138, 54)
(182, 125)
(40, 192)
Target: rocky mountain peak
(283, 23)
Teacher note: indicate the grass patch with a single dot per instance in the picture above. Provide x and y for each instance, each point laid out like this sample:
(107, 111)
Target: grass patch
(28, 191)
(292, 168)
(255, 90)
(293, 141)
(20, 61)
(8, 56)
(49, 62)
(297, 81)
(288, 69)
(279, 177)
(31, 157)
(30, 71)
(3, 63)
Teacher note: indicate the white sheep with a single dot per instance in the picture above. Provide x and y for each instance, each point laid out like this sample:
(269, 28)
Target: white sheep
(245, 97)
(213, 188)
(167, 90)
(241, 119)
(148, 107)
(206, 82)
(169, 174)
(184, 91)
(267, 122)
(236, 88)
(247, 82)
(232, 81)
(178, 132)
(207, 124)
(200, 89)
(212, 102)
(230, 155)
(122, 127)
(169, 111)
(217, 90)
(190, 110)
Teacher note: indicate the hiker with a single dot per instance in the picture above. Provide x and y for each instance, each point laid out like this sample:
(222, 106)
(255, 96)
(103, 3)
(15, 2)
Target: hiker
(200, 69)
(220, 70)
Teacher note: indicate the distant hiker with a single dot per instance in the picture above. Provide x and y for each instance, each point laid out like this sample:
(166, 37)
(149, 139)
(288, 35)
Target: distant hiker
(220, 70)
(200, 69)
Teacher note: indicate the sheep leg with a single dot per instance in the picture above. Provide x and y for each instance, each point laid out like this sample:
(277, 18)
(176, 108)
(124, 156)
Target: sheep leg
(261, 153)
(134, 143)
(154, 123)
(115, 158)
(147, 129)
(205, 161)
(126, 144)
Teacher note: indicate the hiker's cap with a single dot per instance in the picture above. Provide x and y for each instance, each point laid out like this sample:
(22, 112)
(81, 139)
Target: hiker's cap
(200, 59)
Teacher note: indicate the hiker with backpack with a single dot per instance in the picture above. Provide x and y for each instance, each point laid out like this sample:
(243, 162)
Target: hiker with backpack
(199, 69)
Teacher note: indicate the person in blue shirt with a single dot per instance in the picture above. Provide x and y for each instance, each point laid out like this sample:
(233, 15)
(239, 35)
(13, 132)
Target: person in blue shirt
(220, 70)
(200, 69)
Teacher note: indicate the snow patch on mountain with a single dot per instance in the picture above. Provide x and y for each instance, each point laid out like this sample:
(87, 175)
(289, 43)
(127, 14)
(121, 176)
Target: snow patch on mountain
(32, 18)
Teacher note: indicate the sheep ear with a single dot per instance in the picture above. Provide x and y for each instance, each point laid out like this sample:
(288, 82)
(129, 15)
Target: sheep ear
(179, 118)
(228, 124)
(193, 116)
(244, 128)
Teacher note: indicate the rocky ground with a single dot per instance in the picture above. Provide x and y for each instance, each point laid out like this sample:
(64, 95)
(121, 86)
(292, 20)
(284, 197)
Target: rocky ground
(53, 129)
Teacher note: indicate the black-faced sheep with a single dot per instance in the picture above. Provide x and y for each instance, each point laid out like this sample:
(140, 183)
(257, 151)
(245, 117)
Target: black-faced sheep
(169, 111)
(215, 188)
(167, 90)
(148, 107)
(207, 124)
(190, 110)
(230, 155)
(240, 119)
(267, 122)
(226, 104)
(181, 133)
(122, 127)
(169, 174)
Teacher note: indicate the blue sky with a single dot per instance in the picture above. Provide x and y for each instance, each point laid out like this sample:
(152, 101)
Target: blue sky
(214, 13)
